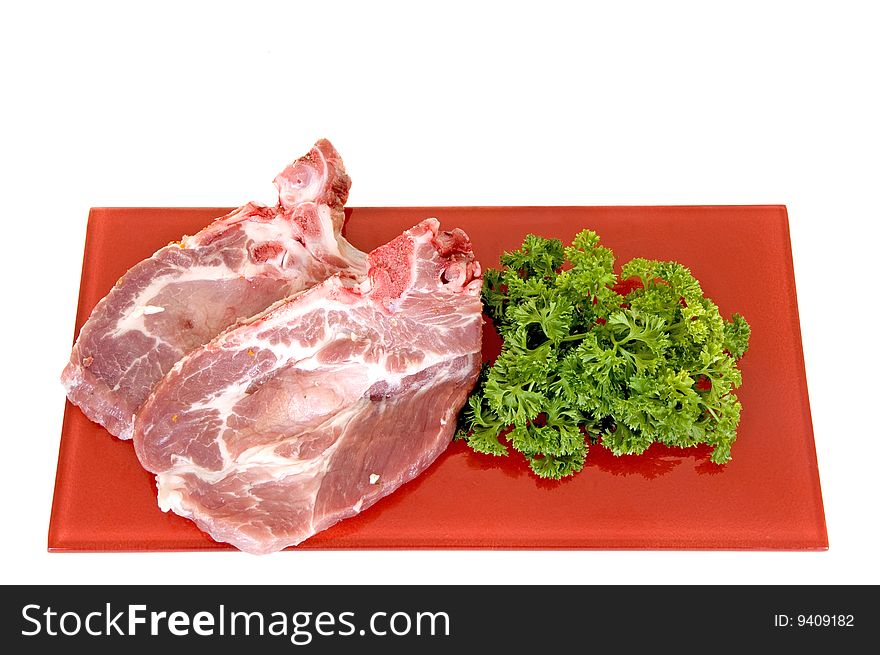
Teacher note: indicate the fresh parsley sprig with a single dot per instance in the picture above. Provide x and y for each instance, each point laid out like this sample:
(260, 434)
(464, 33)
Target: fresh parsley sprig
(584, 361)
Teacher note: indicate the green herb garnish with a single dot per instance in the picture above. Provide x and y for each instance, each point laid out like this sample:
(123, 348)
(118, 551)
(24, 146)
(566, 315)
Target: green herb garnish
(586, 359)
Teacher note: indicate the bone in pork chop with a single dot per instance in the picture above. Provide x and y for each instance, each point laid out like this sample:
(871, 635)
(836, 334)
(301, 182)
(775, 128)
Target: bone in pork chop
(316, 409)
(188, 292)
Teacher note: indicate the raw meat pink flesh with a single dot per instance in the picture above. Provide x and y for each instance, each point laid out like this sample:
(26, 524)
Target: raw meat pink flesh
(188, 292)
(316, 409)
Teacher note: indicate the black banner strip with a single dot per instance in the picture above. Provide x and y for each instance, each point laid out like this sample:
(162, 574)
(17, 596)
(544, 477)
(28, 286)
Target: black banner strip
(405, 619)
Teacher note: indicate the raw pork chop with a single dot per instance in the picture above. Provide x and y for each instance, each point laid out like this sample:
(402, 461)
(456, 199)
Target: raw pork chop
(324, 404)
(190, 291)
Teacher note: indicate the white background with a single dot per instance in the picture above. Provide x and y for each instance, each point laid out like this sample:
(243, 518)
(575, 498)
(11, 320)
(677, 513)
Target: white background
(464, 104)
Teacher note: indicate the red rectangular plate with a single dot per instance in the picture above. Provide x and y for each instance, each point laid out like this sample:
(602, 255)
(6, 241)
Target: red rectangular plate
(768, 497)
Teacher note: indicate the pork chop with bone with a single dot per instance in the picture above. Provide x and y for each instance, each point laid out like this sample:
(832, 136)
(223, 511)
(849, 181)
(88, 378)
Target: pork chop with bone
(190, 291)
(316, 409)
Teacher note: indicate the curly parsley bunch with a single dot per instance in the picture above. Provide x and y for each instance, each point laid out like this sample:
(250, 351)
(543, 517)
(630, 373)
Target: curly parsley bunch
(581, 362)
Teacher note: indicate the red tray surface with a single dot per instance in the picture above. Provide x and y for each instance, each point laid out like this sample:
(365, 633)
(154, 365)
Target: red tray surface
(768, 497)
